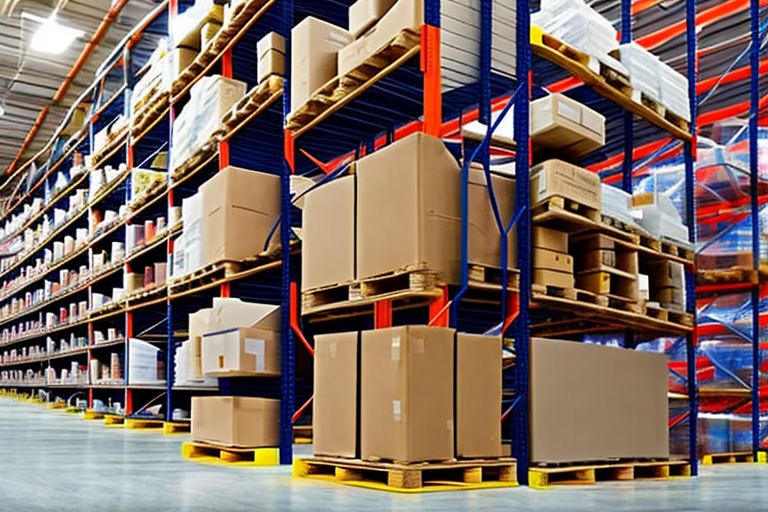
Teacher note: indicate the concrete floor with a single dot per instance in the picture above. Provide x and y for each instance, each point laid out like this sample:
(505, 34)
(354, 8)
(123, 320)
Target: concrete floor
(51, 461)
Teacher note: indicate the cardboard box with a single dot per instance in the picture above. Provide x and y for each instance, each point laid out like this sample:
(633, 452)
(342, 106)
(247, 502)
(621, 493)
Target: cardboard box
(335, 407)
(563, 124)
(404, 14)
(406, 394)
(721, 261)
(551, 260)
(314, 47)
(547, 238)
(328, 244)
(595, 282)
(478, 395)
(555, 178)
(409, 209)
(244, 340)
(200, 322)
(363, 14)
(208, 33)
(484, 233)
(240, 207)
(236, 421)
(606, 403)
(271, 54)
(553, 278)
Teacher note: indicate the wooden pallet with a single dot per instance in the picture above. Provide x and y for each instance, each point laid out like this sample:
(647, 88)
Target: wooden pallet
(114, 420)
(149, 195)
(252, 102)
(219, 271)
(148, 294)
(583, 67)
(417, 477)
(660, 110)
(176, 427)
(669, 315)
(142, 424)
(150, 112)
(572, 294)
(204, 452)
(569, 215)
(730, 276)
(302, 434)
(114, 141)
(203, 155)
(728, 458)
(90, 414)
(482, 276)
(671, 248)
(56, 405)
(341, 90)
(546, 477)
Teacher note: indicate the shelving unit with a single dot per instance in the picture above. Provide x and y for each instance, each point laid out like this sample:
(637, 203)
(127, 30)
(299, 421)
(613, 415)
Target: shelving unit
(403, 97)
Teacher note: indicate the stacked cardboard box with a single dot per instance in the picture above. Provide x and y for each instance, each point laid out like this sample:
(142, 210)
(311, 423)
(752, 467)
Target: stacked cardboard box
(398, 394)
(271, 56)
(401, 210)
(606, 266)
(552, 265)
(666, 280)
(555, 178)
(237, 421)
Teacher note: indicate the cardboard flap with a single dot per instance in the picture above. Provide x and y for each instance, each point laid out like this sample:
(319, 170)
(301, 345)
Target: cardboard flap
(233, 313)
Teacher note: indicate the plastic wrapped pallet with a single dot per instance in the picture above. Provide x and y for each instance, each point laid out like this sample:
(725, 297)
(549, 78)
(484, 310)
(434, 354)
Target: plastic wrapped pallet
(143, 363)
(643, 67)
(673, 87)
(617, 204)
(577, 25)
(210, 99)
(154, 81)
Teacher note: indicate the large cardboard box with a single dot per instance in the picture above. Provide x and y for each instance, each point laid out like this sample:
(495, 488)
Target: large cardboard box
(409, 209)
(406, 394)
(551, 260)
(240, 207)
(478, 396)
(549, 277)
(314, 47)
(363, 14)
(244, 340)
(484, 233)
(561, 123)
(335, 407)
(236, 421)
(557, 178)
(328, 242)
(404, 14)
(605, 403)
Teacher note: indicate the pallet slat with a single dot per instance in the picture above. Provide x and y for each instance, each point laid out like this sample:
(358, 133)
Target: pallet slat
(204, 452)
(546, 477)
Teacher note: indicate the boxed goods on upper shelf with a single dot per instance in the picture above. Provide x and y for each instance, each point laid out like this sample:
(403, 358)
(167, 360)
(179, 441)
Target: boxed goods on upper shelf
(210, 99)
(186, 29)
(271, 56)
(578, 25)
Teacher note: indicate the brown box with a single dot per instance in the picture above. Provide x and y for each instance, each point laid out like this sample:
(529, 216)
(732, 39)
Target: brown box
(133, 282)
(553, 278)
(314, 46)
(595, 282)
(555, 178)
(404, 14)
(551, 260)
(240, 208)
(546, 238)
(591, 403)
(208, 33)
(409, 209)
(363, 14)
(484, 233)
(244, 340)
(271, 54)
(478, 396)
(236, 421)
(564, 124)
(724, 261)
(335, 407)
(406, 394)
(328, 243)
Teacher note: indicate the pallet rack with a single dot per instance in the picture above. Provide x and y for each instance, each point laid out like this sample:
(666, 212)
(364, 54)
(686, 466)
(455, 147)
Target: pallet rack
(403, 98)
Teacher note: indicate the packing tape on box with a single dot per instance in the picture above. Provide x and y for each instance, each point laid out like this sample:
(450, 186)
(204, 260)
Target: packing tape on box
(418, 345)
(333, 349)
(256, 348)
(396, 348)
(397, 414)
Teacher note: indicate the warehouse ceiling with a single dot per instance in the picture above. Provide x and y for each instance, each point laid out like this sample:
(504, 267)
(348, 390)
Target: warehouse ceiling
(29, 79)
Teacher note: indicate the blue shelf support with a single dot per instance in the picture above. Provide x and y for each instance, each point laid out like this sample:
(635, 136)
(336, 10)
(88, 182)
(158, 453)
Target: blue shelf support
(690, 217)
(520, 418)
(288, 347)
(754, 109)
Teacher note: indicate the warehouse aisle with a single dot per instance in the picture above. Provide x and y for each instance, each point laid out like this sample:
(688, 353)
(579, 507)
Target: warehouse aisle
(57, 462)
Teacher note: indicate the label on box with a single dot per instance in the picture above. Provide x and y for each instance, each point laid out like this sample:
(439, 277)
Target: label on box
(568, 112)
(256, 348)
(395, 348)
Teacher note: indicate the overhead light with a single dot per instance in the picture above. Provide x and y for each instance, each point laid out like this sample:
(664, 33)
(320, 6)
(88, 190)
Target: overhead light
(52, 37)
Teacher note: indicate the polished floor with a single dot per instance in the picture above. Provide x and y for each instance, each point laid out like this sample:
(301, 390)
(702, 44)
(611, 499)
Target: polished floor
(51, 461)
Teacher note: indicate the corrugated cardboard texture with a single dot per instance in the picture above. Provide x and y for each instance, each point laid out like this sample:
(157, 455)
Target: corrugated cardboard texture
(409, 209)
(328, 244)
(478, 395)
(239, 207)
(314, 46)
(557, 178)
(547, 238)
(406, 401)
(334, 409)
(236, 421)
(363, 14)
(590, 402)
(564, 124)
(484, 233)
(243, 352)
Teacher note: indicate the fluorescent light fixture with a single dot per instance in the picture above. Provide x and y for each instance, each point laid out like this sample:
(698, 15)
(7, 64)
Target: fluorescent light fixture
(51, 37)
